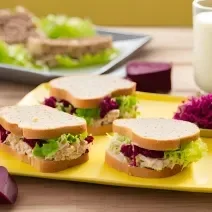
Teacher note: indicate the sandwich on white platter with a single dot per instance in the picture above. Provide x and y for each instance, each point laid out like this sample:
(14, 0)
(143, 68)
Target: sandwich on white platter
(72, 52)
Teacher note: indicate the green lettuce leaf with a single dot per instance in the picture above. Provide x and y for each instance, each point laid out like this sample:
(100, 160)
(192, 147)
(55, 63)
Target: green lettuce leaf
(47, 150)
(88, 114)
(60, 26)
(18, 55)
(87, 60)
(60, 106)
(189, 153)
(127, 106)
(117, 141)
(52, 146)
(71, 138)
(4, 55)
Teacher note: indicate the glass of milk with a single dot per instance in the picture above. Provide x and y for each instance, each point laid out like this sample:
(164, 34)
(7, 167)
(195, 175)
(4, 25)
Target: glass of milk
(202, 41)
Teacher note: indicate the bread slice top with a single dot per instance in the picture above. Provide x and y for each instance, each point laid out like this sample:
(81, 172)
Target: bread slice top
(84, 91)
(40, 122)
(157, 133)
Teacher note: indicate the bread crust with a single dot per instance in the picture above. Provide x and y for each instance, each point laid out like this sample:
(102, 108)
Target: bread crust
(138, 171)
(91, 101)
(145, 141)
(101, 130)
(12, 122)
(45, 166)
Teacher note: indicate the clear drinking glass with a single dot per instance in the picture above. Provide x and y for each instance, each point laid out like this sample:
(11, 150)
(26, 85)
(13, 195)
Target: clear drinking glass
(202, 41)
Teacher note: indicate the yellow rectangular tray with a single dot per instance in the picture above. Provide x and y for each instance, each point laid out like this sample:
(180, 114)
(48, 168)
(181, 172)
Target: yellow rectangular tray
(197, 178)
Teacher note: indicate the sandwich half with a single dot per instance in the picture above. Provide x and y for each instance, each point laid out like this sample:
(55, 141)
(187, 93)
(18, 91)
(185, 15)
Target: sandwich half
(70, 53)
(43, 137)
(154, 148)
(98, 99)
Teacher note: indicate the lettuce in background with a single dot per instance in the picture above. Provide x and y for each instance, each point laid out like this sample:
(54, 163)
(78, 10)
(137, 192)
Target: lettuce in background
(57, 26)
(60, 26)
(18, 55)
(86, 60)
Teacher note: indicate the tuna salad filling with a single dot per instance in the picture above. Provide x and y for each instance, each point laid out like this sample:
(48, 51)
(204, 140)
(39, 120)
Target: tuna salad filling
(65, 147)
(110, 108)
(123, 149)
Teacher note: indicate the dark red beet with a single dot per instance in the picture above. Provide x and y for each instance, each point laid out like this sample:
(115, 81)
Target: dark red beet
(65, 103)
(197, 110)
(51, 102)
(148, 153)
(130, 151)
(33, 142)
(106, 105)
(89, 139)
(151, 77)
(127, 150)
(8, 187)
(3, 134)
(73, 110)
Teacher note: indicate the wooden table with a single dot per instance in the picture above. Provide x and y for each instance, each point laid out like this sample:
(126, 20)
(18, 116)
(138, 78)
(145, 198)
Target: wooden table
(168, 44)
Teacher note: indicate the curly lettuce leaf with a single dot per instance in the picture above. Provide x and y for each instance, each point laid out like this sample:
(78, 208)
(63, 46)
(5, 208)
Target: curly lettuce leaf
(117, 141)
(52, 146)
(71, 138)
(127, 106)
(17, 55)
(189, 153)
(88, 59)
(47, 150)
(88, 114)
(60, 26)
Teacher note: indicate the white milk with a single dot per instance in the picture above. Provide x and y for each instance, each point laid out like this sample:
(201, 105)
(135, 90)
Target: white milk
(202, 60)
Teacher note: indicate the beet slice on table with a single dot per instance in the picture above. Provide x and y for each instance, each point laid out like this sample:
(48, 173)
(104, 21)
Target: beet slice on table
(8, 187)
(152, 77)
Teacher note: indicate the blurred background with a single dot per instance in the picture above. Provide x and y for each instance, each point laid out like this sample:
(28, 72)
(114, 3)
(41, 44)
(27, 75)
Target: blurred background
(166, 23)
(115, 12)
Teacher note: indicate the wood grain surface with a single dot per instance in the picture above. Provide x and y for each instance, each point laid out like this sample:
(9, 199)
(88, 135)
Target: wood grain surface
(168, 44)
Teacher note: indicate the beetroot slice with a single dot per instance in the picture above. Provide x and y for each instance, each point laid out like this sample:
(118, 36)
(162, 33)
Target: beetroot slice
(8, 187)
(152, 77)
